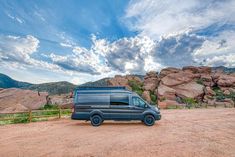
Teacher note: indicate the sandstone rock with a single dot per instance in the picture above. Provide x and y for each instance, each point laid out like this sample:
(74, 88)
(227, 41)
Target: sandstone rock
(202, 69)
(211, 102)
(226, 92)
(146, 96)
(150, 81)
(169, 104)
(232, 90)
(190, 90)
(135, 78)
(15, 108)
(16, 98)
(209, 91)
(119, 80)
(179, 78)
(63, 100)
(226, 81)
(165, 92)
(231, 102)
(223, 104)
(167, 71)
(207, 80)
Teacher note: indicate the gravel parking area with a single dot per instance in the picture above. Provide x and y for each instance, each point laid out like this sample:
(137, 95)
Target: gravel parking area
(180, 133)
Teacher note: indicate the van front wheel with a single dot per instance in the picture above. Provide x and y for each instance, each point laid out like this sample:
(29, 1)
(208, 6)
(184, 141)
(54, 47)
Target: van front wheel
(149, 120)
(96, 120)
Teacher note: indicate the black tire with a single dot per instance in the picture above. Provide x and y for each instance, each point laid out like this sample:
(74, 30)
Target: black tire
(96, 120)
(149, 120)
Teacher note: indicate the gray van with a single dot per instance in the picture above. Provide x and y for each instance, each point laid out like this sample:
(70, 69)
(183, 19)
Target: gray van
(112, 103)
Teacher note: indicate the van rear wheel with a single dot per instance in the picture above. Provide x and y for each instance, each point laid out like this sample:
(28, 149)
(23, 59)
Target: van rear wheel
(96, 120)
(149, 120)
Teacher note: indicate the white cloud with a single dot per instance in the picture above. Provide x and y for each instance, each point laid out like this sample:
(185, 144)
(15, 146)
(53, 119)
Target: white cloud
(66, 45)
(217, 51)
(156, 18)
(15, 48)
(16, 51)
(126, 55)
(15, 18)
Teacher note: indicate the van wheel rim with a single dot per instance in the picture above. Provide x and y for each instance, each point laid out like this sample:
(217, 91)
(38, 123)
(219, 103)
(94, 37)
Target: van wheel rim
(149, 120)
(96, 120)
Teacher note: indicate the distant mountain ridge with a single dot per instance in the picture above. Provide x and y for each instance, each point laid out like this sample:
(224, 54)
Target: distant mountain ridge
(7, 82)
(52, 88)
(224, 69)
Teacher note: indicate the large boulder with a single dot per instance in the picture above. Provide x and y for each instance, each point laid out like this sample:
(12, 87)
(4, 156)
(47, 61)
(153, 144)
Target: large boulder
(190, 90)
(63, 100)
(166, 71)
(146, 96)
(179, 78)
(18, 99)
(119, 80)
(164, 92)
(226, 81)
(207, 80)
(151, 81)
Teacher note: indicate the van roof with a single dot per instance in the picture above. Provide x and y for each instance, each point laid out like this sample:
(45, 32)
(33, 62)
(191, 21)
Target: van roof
(86, 89)
(101, 88)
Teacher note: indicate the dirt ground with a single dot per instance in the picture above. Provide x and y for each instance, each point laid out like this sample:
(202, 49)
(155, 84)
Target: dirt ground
(180, 133)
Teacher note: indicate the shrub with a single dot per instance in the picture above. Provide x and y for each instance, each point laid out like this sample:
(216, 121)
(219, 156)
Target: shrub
(199, 81)
(219, 95)
(153, 97)
(49, 107)
(190, 102)
(136, 87)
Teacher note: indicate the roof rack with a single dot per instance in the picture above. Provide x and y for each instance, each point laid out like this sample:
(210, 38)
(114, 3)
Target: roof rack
(101, 88)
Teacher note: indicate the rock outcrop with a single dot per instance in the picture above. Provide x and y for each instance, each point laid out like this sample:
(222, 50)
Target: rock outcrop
(63, 100)
(150, 81)
(14, 99)
(119, 80)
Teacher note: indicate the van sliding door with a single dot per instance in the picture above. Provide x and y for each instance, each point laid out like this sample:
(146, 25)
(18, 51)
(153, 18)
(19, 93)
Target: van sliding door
(119, 106)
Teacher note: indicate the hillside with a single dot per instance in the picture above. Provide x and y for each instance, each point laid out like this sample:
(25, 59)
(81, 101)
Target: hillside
(52, 87)
(98, 83)
(7, 82)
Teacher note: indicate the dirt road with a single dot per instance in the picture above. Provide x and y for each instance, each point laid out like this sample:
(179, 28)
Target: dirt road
(181, 133)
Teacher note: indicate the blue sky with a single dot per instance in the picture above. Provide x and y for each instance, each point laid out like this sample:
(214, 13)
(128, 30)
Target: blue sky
(80, 41)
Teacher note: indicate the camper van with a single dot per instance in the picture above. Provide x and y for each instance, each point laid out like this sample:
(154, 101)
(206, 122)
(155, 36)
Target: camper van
(112, 103)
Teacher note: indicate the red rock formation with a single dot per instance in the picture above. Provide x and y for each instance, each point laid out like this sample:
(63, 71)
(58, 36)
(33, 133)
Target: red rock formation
(13, 99)
(151, 81)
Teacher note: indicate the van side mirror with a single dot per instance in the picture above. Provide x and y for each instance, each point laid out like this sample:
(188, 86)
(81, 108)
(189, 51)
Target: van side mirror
(145, 106)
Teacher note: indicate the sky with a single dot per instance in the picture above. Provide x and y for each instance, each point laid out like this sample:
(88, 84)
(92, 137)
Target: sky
(80, 41)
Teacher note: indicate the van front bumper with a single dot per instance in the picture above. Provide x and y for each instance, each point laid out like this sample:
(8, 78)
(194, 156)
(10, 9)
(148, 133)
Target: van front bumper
(158, 117)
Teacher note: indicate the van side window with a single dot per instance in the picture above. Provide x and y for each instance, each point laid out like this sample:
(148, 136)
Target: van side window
(119, 99)
(93, 99)
(138, 102)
